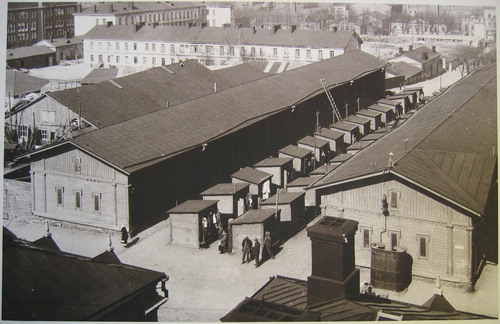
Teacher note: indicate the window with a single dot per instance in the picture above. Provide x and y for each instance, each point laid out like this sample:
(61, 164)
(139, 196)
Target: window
(242, 51)
(154, 61)
(104, 21)
(261, 51)
(153, 47)
(100, 58)
(45, 134)
(109, 58)
(126, 59)
(332, 54)
(135, 46)
(320, 54)
(91, 45)
(394, 236)
(423, 246)
(162, 61)
(275, 51)
(162, 48)
(286, 52)
(144, 60)
(91, 58)
(231, 50)
(297, 53)
(97, 21)
(99, 46)
(172, 48)
(126, 46)
(23, 131)
(78, 199)
(117, 59)
(221, 50)
(136, 60)
(60, 196)
(97, 201)
(109, 46)
(209, 49)
(394, 199)
(194, 48)
(117, 46)
(146, 47)
(252, 51)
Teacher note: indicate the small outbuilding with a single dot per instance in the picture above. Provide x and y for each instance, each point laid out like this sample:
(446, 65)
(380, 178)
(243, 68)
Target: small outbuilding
(395, 105)
(387, 113)
(321, 148)
(260, 181)
(351, 131)
(362, 122)
(280, 168)
(302, 158)
(292, 205)
(375, 118)
(405, 101)
(191, 223)
(338, 160)
(334, 137)
(299, 185)
(322, 170)
(254, 224)
(231, 197)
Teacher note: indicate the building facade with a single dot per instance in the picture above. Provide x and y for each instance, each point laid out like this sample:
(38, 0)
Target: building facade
(130, 13)
(427, 59)
(30, 22)
(151, 46)
(219, 15)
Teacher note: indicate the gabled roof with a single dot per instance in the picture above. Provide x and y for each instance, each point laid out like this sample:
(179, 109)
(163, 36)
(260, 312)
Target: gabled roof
(329, 133)
(222, 189)
(254, 216)
(27, 51)
(441, 154)
(45, 284)
(123, 8)
(221, 35)
(313, 141)
(18, 83)
(403, 68)
(100, 75)
(357, 119)
(273, 162)
(193, 206)
(251, 175)
(283, 198)
(295, 151)
(189, 125)
(416, 54)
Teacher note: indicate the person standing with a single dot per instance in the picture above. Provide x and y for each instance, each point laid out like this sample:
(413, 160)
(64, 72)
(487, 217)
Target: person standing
(268, 245)
(124, 238)
(223, 243)
(256, 252)
(246, 247)
(204, 226)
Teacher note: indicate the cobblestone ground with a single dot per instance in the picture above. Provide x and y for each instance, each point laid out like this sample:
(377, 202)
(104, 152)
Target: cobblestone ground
(204, 285)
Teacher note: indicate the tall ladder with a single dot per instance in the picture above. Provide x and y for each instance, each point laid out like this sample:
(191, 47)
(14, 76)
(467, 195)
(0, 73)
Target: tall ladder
(332, 102)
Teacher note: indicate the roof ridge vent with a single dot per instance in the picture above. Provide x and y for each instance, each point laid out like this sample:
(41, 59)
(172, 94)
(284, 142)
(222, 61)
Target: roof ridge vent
(115, 84)
(167, 69)
(390, 165)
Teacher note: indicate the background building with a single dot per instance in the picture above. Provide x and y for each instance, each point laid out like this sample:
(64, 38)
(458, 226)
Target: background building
(219, 15)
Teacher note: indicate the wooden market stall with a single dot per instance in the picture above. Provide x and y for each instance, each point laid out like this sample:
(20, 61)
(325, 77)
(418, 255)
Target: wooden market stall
(302, 158)
(280, 168)
(231, 198)
(260, 183)
(253, 224)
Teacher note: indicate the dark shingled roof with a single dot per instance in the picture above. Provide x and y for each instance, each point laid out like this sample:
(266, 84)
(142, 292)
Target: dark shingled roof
(272, 162)
(99, 75)
(27, 51)
(186, 126)
(357, 119)
(295, 151)
(283, 198)
(403, 68)
(193, 206)
(441, 154)
(45, 284)
(251, 175)
(368, 113)
(416, 54)
(240, 74)
(379, 108)
(344, 126)
(254, 216)
(313, 141)
(329, 133)
(303, 181)
(222, 189)
(18, 83)
(220, 35)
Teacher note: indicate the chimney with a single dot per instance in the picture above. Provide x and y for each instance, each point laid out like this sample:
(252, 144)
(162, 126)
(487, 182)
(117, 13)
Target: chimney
(434, 48)
(294, 28)
(400, 50)
(190, 24)
(95, 8)
(131, 5)
(139, 26)
(110, 8)
(425, 56)
(335, 29)
(410, 48)
(334, 274)
(155, 24)
(109, 23)
(203, 25)
(79, 8)
(254, 29)
(276, 28)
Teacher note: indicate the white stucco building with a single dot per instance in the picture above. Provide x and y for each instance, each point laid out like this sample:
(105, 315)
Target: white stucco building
(219, 14)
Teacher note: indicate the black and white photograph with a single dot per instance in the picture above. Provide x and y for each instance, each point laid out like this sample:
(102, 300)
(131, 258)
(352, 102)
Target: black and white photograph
(249, 161)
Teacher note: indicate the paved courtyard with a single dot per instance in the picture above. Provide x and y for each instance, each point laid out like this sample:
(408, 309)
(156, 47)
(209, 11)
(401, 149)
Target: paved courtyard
(204, 285)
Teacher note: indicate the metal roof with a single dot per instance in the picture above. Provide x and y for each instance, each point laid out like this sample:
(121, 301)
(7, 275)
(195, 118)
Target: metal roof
(225, 35)
(273, 162)
(283, 198)
(383, 109)
(329, 133)
(27, 51)
(193, 206)
(188, 125)
(357, 119)
(295, 151)
(18, 83)
(100, 75)
(368, 113)
(254, 216)
(251, 175)
(222, 189)
(303, 181)
(313, 141)
(344, 126)
(448, 149)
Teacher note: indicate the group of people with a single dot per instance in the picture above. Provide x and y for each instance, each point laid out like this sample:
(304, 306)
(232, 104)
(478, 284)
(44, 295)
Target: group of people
(211, 226)
(252, 250)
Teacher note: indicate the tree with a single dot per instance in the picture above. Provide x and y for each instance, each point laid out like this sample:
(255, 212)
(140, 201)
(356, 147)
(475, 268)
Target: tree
(467, 56)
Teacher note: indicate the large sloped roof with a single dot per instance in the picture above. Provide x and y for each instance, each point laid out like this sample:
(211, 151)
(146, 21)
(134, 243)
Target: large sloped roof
(18, 83)
(27, 51)
(403, 68)
(151, 138)
(449, 147)
(228, 35)
(105, 103)
(241, 73)
(100, 75)
(122, 8)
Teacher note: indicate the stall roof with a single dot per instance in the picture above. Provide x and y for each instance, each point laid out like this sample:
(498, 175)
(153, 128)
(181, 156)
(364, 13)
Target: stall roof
(251, 175)
(379, 108)
(357, 119)
(193, 206)
(295, 151)
(283, 198)
(373, 136)
(329, 133)
(389, 102)
(254, 216)
(273, 162)
(100, 75)
(368, 113)
(313, 141)
(341, 158)
(344, 126)
(223, 189)
(304, 181)
(359, 145)
(324, 169)
(398, 96)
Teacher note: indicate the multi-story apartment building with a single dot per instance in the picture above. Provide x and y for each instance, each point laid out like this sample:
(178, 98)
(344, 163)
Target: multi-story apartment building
(30, 22)
(130, 13)
(149, 46)
(219, 14)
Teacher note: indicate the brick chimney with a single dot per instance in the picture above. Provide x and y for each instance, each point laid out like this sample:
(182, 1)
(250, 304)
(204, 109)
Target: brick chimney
(400, 50)
(109, 23)
(425, 56)
(434, 48)
(276, 28)
(334, 274)
(294, 28)
(110, 8)
(410, 48)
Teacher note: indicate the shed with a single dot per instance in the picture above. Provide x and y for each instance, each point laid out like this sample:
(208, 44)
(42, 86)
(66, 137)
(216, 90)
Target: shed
(260, 182)
(419, 90)
(292, 205)
(231, 198)
(254, 224)
(334, 137)
(362, 122)
(356, 147)
(413, 95)
(396, 106)
(280, 168)
(299, 185)
(387, 113)
(351, 131)
(186, 222)
(320, 147)
(301, 158)
(375, 118)
(338, 160)
(405, 101)
(322, 170)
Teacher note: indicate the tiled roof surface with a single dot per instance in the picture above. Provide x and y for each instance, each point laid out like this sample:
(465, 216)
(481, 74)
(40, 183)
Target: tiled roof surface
(254, 216)
(322, 169)
(193, 206)
(329, 133)
(357, 119)
(341, 158)
(368, 113)
(449, 147)
(105, 104)
(403, 68)
(45, 284)
(220, 35)
(313, 141)
(186, 126)
(283, 198)
(27, 51)
(225, 189)
(295, 151)
(18, 83)
(380, 108)
(120, 8)
(303, 181)
(251, 175)
(359, 145)
(272, 162)
(241, 73)
(99, 75)
(373, 136)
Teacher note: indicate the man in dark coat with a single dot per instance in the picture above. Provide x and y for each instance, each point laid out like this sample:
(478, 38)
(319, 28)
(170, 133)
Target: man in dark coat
(246, 248)
(268, 245)
(256, 252)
